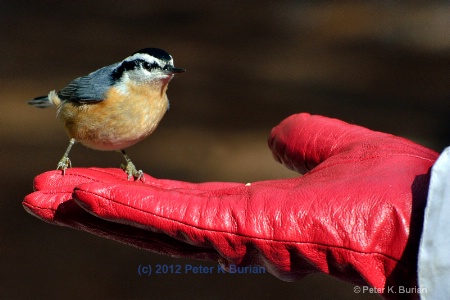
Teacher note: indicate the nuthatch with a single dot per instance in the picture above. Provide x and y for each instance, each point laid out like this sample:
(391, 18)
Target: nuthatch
(116, 106)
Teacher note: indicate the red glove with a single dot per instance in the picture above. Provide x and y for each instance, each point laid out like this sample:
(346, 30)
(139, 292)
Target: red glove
(356, 214)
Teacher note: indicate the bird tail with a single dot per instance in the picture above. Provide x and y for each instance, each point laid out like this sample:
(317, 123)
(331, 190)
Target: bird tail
(46, 101)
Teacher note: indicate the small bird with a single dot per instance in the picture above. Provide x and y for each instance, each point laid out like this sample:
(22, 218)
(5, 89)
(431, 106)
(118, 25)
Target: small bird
(116, 106)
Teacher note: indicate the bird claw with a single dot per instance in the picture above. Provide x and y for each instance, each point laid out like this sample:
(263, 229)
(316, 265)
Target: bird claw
(63, 164)
(131, 171)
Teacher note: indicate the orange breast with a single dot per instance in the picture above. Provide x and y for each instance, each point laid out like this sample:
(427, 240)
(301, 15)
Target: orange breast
(121, 120)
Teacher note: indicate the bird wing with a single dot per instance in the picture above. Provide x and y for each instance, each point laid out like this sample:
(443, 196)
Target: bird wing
(90, 88)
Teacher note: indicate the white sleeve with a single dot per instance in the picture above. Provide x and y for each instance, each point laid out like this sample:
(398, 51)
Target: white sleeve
(434, 250)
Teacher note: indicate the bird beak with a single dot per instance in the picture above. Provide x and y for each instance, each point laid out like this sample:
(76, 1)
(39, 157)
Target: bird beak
(173, 70)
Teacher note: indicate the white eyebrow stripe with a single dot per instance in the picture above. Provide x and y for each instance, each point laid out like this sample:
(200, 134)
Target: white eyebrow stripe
(145, 57)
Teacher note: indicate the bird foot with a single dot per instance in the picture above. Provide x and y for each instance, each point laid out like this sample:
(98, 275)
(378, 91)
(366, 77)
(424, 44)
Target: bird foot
(131, 171)
(63, 164)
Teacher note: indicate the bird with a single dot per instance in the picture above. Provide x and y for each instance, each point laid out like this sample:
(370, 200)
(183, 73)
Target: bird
(115, 106)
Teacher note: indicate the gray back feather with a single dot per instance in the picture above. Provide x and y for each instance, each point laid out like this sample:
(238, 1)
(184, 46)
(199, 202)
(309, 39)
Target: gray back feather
(89, 88)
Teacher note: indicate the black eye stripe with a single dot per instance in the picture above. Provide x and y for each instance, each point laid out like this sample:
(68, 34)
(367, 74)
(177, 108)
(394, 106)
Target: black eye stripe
(149, 66)
(133, 65)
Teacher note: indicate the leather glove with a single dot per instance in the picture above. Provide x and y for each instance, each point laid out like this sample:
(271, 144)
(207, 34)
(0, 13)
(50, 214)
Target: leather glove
(355, 214)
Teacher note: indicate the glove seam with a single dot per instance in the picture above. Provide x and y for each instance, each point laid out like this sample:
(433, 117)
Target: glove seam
(322, 164)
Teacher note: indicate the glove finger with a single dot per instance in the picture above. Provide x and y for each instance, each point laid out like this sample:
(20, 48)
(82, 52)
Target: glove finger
(226, 222)
(195, 217)
(303, 141)
(146, 205)
(59, 208)
(53, 189)
(52, 180)
(44, 204)
(75, 176)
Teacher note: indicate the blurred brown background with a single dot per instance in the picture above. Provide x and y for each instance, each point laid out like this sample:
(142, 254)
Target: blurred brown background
(249, 64)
